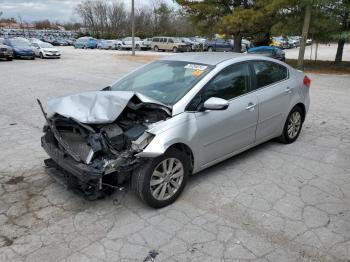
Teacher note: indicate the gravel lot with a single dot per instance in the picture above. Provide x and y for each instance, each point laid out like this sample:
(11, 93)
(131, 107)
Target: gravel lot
(325, 52)
(273, 203)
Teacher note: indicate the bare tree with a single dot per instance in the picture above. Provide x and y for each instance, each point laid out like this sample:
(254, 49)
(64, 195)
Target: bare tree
(117, 16)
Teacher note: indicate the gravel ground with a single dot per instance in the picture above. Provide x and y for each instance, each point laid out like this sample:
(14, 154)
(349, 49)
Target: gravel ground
(272, 203)
(325, 52)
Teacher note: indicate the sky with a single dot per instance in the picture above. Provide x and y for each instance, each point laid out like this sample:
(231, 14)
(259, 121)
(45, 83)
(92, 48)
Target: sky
(54, 10)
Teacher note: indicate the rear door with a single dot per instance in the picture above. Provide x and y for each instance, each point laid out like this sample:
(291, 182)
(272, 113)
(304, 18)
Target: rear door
(274, 91)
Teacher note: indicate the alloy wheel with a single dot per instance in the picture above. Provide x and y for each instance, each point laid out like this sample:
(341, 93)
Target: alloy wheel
(294, 124)
(166, 179)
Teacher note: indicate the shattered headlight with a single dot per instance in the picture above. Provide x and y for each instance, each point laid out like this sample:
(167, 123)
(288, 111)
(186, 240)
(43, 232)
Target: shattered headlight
(139, 144)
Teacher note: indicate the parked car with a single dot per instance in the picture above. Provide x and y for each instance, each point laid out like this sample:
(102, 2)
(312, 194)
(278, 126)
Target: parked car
(172, 118)
(192, 44)
(6, 52)
(107, 44)
(126, 43)
(45, 50)
(164, 43)
(86, 42)
(309, 41)
(269, 51)
(60, 42)
(219, 44)
(146, 43)
(294, 41)
(21, 48)
(280, 42)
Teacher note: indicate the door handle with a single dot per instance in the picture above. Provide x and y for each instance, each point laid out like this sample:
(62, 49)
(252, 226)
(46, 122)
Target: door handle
(250, 106)
(288, 90)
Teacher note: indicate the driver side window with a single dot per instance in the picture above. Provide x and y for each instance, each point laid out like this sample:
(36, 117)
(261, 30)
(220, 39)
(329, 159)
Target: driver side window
(231, 82)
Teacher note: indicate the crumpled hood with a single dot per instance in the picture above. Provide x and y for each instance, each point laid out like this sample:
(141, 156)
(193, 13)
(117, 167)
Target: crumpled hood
(96, 107)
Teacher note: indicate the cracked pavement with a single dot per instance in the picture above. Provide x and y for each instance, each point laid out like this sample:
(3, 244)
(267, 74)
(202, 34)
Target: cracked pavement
(272, 203)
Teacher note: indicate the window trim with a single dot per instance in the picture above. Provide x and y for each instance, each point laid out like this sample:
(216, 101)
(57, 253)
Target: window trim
(229, 100)
(255, 84)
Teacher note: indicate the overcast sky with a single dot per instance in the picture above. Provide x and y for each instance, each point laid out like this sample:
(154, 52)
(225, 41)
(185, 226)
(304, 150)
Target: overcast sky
(55, 10)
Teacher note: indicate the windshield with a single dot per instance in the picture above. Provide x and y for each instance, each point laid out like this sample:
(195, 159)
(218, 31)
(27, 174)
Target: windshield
(164, 81)
(19, 43)
(45, 45)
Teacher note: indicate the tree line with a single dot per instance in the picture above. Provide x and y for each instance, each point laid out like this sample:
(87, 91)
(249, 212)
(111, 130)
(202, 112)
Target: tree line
(323, 20)
(111, 19)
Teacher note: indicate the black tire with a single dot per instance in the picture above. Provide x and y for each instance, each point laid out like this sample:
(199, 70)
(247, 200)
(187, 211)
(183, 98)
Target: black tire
(137, 47)
(33, 58)
(175, 49)
(141, 178)
(156, 49)
(210, 49)
(9, 59)
(119, 47)
(285, 138)
(41, 55)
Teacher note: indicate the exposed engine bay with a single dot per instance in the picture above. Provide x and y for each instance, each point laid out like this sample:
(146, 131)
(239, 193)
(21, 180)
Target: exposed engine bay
(96, 156)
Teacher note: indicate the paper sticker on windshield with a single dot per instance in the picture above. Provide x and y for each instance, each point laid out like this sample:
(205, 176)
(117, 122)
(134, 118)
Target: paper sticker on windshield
(196, 67)
(197, 73)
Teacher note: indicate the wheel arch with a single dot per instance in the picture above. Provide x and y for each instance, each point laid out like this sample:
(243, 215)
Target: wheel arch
(303, 109)
(185, 149)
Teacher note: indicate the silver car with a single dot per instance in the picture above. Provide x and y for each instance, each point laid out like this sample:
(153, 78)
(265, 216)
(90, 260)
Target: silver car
(172, 118)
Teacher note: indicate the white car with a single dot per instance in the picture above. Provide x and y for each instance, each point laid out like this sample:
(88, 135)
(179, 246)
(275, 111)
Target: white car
(45, 50)
(126, 43)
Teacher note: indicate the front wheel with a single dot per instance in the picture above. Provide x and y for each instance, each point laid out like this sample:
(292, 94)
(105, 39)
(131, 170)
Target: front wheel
(41, 55)
(160, 181)
(293, 126)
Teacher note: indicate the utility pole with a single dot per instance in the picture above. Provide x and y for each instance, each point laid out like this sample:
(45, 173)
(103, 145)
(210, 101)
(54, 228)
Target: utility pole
(133, 26)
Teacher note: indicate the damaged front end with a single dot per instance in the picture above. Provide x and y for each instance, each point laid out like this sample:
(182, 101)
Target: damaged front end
(98, 156)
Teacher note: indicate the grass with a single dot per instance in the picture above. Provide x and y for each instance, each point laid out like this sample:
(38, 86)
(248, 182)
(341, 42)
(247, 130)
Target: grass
(322, 67)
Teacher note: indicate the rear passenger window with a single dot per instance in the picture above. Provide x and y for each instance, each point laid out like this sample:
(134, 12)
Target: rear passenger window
(268, 73)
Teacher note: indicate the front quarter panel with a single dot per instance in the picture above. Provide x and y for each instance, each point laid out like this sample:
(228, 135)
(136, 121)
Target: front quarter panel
(179, 129)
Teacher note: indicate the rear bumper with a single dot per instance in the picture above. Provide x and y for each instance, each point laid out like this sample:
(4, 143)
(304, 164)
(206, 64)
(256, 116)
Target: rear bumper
(68, 166)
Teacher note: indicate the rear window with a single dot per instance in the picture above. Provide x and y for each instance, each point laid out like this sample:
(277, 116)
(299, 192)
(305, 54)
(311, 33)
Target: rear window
(268, 73)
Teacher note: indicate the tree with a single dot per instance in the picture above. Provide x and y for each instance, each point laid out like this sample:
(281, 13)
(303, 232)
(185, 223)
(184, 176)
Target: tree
(342, 12)
(43, 24)
(235, 18)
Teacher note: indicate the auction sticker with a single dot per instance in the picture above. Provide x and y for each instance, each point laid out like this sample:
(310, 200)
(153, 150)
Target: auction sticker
(196, 67)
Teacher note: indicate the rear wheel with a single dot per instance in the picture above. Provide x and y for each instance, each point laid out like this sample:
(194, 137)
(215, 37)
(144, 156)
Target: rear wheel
(293, 126)
(174, 49)
(160, 181)
(210, 49)
(156, 49)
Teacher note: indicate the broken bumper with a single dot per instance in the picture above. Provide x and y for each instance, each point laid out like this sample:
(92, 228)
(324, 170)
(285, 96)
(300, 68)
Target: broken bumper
(64, 167)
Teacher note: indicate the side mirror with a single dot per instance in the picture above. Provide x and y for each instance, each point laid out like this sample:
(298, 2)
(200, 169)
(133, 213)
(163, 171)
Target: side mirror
(215, 103)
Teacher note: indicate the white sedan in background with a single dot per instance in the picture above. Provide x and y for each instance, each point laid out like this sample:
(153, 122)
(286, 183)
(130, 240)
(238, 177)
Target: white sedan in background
(45, 50)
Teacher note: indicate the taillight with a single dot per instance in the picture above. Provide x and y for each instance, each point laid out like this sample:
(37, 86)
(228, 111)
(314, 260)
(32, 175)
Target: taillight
(307, 81)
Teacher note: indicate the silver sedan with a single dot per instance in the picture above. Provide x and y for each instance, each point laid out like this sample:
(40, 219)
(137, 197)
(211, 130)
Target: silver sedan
(172, 118)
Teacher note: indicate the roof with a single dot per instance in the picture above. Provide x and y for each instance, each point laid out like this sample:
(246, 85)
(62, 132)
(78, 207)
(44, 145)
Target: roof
(211, 58)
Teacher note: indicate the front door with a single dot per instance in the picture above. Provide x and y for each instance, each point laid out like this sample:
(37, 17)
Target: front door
(220, 133)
